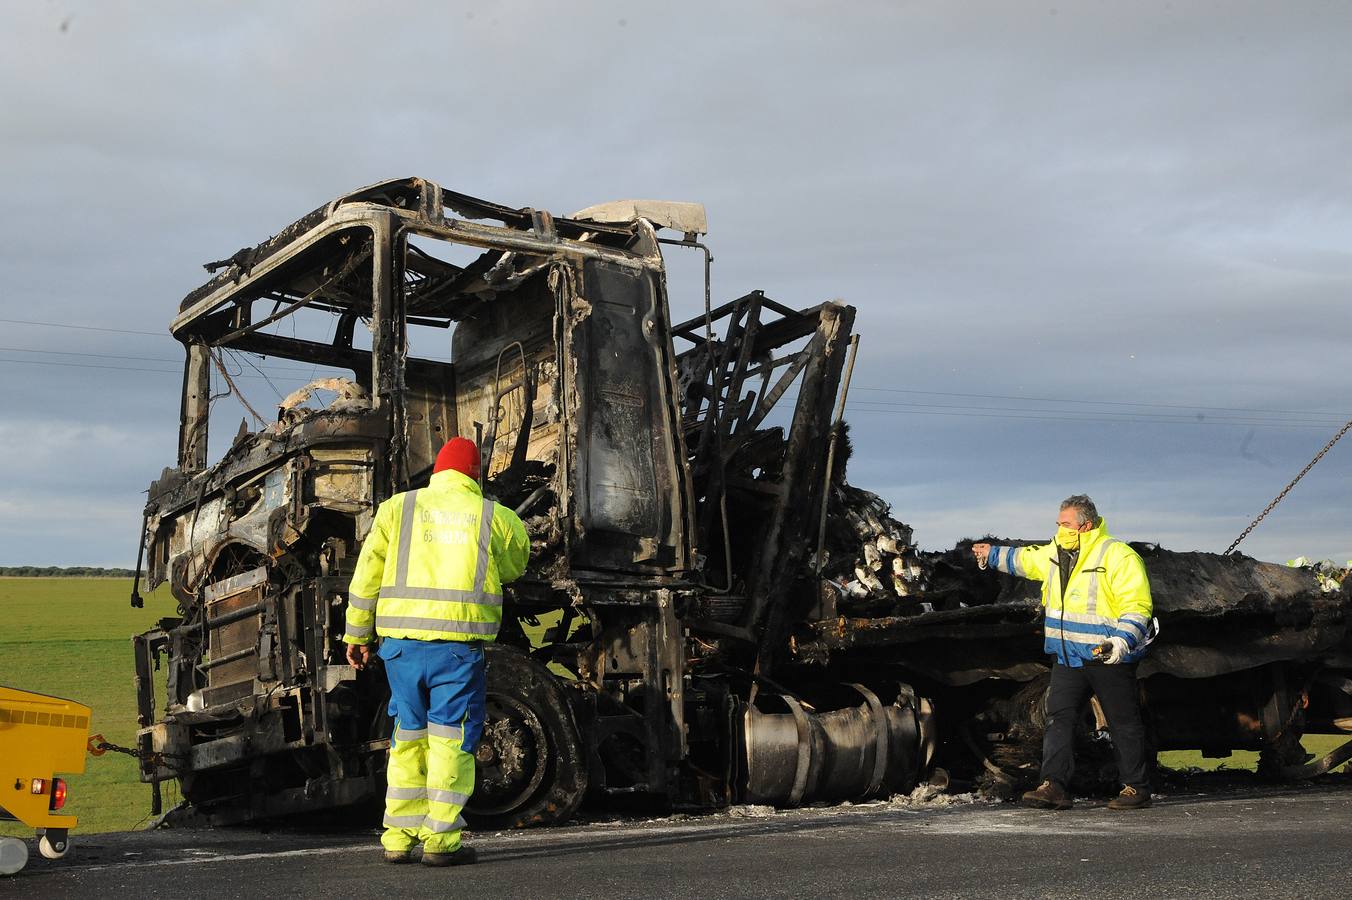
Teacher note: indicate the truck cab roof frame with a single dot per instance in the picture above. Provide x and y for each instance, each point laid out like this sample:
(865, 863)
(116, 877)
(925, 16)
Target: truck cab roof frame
(419, 205)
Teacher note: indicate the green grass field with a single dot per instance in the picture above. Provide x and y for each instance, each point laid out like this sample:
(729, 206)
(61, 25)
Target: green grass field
(1247, 760)
(70, 637)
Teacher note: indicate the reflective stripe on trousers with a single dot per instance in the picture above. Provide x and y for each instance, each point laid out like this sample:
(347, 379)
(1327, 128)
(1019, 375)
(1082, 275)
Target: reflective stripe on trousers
(406, 788)
(450, 781)
(430, 779)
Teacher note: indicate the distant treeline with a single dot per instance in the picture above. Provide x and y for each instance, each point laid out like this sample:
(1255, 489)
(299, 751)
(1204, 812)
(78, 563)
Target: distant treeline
(66, 572)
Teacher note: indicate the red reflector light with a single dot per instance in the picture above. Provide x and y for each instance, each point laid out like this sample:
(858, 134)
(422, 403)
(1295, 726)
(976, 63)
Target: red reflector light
(58, 793)
(39, 785)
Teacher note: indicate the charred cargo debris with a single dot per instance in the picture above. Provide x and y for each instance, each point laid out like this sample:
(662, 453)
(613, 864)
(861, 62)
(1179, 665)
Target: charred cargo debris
(709, 617)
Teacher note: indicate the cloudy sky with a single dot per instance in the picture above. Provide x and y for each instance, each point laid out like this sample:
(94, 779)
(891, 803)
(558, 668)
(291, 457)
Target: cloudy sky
(1099, 247)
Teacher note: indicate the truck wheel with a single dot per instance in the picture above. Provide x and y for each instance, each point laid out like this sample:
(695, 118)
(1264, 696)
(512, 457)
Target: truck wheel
(13, 855)
(530, 766)
(54, 844)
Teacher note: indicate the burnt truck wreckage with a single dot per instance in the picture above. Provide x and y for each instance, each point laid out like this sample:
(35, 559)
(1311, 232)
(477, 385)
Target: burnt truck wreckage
(712, 614)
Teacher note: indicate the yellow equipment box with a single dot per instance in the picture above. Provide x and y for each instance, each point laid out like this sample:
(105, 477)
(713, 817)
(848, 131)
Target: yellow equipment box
(39, 737)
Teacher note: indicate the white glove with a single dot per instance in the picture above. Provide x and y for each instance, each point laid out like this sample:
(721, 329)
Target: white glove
(1118, 652)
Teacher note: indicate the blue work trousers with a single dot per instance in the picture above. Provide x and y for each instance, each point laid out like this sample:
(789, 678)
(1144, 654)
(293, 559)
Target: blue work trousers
(437, 700)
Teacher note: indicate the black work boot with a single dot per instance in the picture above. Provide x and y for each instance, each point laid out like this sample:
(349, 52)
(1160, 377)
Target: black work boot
(1130, 798)
(398, 856)
(463, 856)
(1049, 795)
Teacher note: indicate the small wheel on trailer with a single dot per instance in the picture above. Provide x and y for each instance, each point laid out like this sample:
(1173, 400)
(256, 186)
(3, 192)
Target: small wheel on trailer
(530, 764)
(13, 855)
(54, 843)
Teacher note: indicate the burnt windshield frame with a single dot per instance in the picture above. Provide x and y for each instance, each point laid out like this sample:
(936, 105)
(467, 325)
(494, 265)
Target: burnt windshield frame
(222, 320)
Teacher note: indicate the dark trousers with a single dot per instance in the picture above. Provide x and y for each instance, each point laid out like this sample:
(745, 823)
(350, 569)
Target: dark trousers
(1115, 687)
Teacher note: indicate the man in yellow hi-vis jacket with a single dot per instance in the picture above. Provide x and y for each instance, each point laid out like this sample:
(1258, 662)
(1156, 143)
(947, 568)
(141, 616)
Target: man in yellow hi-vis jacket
(429, 584)
(1098, 623)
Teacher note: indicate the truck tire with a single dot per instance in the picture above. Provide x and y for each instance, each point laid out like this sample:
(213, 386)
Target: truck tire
(531, 768)
(13, 855)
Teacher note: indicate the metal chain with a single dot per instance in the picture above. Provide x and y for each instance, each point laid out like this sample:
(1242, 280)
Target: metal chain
(98, 746)
(1286, 490)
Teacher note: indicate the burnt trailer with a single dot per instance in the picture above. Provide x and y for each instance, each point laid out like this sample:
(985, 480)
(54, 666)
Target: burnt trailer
(711, 615)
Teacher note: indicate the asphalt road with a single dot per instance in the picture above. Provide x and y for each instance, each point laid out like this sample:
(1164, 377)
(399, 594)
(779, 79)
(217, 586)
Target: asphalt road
(1267, 843)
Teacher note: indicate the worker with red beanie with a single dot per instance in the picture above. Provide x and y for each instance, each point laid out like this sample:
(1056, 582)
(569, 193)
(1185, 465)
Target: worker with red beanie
(429, 583)
(459, 454)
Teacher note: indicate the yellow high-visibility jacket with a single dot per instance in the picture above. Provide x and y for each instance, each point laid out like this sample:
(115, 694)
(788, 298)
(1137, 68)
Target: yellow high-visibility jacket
(433, 566)
(1107, 594)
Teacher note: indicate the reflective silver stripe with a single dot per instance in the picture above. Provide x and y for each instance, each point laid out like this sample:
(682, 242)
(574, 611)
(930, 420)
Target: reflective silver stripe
(448, 797)
(1131, 627)
(404, 821)
(485, 544)
(358, 631)
(476, 596)
(1091, 592)
(364, 604)
(417, 623)
(436, 826)
(1014, 565)
(457, 595)
(1079, 637)
(405, 538)
(1133, 623)
(410, 734)
(1087, 619)
(398, 793)
(453, 732)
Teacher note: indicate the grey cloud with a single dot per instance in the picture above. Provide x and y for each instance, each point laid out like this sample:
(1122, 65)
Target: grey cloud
(1142, 202)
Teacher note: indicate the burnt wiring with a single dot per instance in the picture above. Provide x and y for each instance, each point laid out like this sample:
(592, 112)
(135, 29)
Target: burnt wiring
(242, 358)
(220, 367)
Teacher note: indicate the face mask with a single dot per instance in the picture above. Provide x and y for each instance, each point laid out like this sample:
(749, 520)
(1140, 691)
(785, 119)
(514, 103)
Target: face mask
(1067, 539)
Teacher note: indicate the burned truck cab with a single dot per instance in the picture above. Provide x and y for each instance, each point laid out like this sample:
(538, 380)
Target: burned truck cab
(408, 314)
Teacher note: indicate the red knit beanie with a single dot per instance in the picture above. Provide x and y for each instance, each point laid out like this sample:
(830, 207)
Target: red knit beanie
(461, 455)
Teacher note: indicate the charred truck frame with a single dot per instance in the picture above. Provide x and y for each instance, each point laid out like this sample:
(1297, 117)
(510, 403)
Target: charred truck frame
(711, 614)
